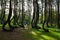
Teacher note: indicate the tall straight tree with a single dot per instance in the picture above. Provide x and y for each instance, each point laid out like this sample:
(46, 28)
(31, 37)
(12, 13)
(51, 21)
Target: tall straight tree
(22, 23)
(42, 10)
(3, 4)
(15, 11)
(58, 13)
(34, 10)
(50, 12)
(29, 10)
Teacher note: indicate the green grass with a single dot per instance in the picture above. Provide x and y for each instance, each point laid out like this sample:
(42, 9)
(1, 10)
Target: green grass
(53, 34)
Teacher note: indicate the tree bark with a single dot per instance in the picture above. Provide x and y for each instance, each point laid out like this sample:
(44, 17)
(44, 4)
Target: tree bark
(45, 15)
(58, 14)
(22, 23)
(8, 20)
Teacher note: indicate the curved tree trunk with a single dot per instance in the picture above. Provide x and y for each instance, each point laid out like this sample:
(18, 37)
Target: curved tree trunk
(8, 20)
(35, 14)
(45, 15)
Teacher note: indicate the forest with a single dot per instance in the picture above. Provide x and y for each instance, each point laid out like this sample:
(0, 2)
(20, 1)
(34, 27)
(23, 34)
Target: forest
(29, 19)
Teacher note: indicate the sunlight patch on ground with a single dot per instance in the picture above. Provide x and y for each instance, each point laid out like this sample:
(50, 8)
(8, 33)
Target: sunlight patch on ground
(53, 34)
(56, 33)
(33, 33)
(47, 37)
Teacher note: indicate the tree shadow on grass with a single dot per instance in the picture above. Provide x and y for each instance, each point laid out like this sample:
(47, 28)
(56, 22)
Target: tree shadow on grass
(51, 34)
(36, 35)
(41, 35)
(56, 30)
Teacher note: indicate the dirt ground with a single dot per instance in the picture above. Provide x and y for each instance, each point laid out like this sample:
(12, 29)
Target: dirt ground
(17, 34)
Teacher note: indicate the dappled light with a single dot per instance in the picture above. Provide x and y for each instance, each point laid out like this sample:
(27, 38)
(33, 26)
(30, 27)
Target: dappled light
(29, 19)
(51, 35)
(34, 33)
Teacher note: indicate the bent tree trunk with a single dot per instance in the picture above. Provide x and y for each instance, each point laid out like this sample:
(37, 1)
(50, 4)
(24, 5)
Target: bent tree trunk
(35, 14)
(46, 30)
(8, 20)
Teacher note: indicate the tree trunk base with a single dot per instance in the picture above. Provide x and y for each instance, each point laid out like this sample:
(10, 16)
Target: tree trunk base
(46, 30)
(11, 30)
(36, 27)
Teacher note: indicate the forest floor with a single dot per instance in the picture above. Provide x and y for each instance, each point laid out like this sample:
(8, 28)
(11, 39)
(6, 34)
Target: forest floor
(17, 34)
(33, 34)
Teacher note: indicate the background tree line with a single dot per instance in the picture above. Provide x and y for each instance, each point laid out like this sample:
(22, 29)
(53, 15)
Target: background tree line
(35, 13)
